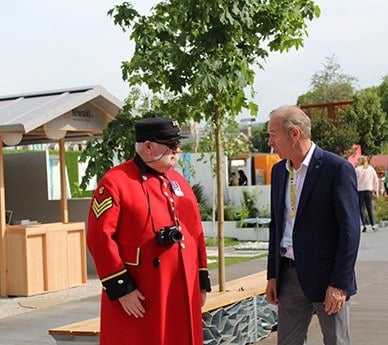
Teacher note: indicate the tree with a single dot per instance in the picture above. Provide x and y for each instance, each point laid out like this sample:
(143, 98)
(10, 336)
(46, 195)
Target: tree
(118, 138)
(335, 136)
(204, 53)
(363, 123)
(234, 141)
(369, 120)
(260, 138)
(329, 85)
(383, 92)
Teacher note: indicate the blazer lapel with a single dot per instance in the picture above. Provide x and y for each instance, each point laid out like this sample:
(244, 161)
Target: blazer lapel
(311, 176)
(280, 192)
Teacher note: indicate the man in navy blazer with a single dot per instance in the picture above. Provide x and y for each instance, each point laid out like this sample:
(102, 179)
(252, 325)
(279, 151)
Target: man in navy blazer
(314, 233)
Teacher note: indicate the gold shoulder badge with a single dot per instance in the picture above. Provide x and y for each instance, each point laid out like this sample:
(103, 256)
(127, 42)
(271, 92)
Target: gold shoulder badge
(100, 207)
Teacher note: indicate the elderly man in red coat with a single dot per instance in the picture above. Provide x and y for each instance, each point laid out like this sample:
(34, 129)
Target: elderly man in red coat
(146, 238)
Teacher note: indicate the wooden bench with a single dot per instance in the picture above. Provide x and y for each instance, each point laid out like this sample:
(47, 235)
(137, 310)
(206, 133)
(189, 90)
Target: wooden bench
(236, 290)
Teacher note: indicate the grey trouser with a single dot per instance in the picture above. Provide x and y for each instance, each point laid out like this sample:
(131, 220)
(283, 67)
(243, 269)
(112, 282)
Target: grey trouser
(295, 312)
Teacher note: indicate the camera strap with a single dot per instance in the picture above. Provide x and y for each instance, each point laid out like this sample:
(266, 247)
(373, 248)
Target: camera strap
(176, 219)
(150, 211)
(143, 171)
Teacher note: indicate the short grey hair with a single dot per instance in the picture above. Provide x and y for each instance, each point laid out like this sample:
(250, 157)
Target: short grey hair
(138, 146)
(293, 117)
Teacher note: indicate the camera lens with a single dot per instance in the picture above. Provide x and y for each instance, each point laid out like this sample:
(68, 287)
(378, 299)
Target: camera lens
(168, 236)
(175, 236)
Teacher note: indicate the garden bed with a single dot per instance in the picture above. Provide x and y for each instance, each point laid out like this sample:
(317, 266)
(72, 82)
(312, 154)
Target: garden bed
(233, 229)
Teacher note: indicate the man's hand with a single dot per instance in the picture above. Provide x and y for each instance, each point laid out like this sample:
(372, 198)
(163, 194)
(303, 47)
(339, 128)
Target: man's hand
(270, 291)
(132, 303)
(335, 300)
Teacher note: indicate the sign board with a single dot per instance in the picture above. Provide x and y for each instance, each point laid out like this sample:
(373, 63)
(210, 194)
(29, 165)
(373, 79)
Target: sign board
(83, 118)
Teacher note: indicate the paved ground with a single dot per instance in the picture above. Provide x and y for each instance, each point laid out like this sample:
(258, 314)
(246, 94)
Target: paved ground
(26, 320)
(369, 308)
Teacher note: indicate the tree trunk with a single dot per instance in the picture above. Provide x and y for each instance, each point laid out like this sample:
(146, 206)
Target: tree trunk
(220, 200)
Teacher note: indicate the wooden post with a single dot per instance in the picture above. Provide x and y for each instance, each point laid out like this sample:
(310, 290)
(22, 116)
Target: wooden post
(62, 162)
(220, 202)
(3, 240)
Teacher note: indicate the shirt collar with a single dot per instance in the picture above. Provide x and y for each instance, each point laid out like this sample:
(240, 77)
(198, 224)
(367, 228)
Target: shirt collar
(307, 158)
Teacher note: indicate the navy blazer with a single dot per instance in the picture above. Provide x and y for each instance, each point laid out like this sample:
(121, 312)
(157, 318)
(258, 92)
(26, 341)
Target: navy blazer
(326, 233)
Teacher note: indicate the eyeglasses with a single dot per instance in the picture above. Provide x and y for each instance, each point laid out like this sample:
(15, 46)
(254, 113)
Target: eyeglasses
(172, 145)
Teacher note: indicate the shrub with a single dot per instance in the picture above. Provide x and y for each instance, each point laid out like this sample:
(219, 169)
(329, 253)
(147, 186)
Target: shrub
(381, 209)
(204, 210)
(248, 202)
(230, 212)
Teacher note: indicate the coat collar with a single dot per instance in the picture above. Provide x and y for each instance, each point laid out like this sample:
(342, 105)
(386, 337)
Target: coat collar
(311, 177)
(144, 168)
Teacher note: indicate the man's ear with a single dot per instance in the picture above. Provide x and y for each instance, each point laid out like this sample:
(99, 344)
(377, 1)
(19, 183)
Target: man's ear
(295, 133)
(147, 146)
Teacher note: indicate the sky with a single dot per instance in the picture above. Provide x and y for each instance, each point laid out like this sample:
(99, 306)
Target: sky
(51, 44)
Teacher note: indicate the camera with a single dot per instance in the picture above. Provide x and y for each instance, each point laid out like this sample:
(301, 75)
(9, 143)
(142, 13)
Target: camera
(168, 235)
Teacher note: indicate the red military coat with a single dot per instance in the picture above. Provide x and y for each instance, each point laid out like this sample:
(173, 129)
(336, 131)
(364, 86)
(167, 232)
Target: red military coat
(127, 256)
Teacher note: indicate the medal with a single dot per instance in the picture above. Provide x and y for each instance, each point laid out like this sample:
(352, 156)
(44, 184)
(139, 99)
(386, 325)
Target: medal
(176, 188)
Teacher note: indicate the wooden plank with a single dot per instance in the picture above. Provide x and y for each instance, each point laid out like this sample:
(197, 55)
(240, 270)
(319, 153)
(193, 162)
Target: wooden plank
(236, 291)
(76, 256)
(85, 328)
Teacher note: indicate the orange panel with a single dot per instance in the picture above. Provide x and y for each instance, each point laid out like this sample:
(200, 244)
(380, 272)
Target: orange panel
(263, 165)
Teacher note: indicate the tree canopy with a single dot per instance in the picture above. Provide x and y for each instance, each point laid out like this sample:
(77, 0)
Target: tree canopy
(260, 138)
(383, 92)
(369, 121)
(336, 136)
(329, 84)
(204, 52)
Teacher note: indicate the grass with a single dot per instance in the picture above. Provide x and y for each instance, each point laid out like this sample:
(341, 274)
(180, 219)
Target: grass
(228, 241)
(229, 260)
(232, 260)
